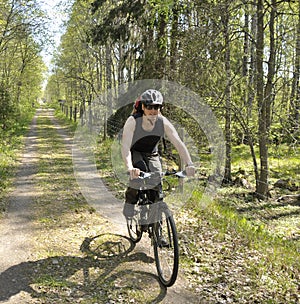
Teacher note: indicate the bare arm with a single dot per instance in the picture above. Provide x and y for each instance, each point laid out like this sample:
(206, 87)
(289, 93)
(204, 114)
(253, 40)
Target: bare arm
(126, 145)
(174, 138)
(126, 142)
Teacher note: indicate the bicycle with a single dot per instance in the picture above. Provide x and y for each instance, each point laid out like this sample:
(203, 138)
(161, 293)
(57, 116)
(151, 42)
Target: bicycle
(157, 220)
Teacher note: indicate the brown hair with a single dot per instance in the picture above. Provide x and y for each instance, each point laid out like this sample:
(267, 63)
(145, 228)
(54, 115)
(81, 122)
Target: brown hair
(137, 107)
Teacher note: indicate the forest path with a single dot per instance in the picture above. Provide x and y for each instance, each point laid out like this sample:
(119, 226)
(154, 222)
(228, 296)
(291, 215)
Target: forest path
(41, 237)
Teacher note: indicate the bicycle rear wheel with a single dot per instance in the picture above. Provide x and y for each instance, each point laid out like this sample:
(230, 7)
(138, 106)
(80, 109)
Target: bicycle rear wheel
(166, 248)
(134, 230)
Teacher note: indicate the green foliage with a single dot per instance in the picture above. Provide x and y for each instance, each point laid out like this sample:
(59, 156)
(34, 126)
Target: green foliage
(7, 108)
(21, 66)
(204, 45)
(284, 161)
(185, 119)
(116, 121)
(116, 24)
(11, 145)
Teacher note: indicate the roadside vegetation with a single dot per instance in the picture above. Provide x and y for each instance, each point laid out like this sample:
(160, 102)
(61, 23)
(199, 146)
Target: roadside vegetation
(11, 144)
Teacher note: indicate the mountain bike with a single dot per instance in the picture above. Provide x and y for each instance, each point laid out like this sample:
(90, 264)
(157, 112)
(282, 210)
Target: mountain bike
(157, 220)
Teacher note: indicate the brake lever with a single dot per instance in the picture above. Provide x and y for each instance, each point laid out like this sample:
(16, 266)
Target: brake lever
(180, 174)
(144, 175)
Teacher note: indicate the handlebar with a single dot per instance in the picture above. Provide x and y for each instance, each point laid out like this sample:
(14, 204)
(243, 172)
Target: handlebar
(179, 174)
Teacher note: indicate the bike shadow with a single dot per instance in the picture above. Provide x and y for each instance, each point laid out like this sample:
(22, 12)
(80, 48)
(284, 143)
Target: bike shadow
(106, 269)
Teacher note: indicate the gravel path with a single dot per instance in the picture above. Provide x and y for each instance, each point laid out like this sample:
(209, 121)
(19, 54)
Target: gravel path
(17, 230)
(16, 226)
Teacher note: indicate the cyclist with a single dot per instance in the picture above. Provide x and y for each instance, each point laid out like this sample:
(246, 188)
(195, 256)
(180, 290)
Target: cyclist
(141, 135)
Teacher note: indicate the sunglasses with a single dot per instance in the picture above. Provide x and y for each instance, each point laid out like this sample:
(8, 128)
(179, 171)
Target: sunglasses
(151, 107)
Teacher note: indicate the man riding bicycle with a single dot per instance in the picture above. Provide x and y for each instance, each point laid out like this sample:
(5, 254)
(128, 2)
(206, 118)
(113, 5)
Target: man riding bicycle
(141, 135)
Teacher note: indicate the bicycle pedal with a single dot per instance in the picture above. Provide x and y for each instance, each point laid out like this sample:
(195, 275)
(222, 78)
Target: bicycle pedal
(144, 228)
(162, 242)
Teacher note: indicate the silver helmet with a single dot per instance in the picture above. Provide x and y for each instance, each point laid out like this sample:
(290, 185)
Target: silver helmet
(152, 96)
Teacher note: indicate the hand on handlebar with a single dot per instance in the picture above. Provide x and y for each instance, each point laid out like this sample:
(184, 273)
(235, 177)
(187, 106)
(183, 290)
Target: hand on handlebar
(190, 170)
(134, 173)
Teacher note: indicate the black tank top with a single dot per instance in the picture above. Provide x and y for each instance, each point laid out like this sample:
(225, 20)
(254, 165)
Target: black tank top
(147, 141)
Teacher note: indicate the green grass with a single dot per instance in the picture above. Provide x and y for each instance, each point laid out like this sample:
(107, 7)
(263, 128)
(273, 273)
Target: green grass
(50, 281)
(220, 238)
(55, 164)
(11, 145)
(284, 161)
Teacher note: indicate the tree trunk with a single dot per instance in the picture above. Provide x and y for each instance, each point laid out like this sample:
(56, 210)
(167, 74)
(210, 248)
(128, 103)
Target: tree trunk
(252, 68)
(160, 61)
(269, 89)
(225, 22)
(174, 42)
(295, 93)
(262, 182)
(121, 77)
(108, 76)
(246, 42)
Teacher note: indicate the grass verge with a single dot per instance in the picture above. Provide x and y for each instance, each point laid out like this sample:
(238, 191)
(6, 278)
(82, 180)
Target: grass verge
(11, 144)
(232, 259)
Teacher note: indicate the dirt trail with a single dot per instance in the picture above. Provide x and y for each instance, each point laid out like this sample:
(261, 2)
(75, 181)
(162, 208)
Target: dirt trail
(16, 226)
(17, 230)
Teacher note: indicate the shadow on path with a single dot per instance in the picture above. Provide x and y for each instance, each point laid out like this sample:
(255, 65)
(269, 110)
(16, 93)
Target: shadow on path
(101, 272)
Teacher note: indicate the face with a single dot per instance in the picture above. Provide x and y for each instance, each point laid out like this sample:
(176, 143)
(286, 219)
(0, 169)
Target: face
(151, 110)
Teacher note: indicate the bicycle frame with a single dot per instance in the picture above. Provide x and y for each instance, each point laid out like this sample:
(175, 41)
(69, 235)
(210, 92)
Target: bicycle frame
(157, 220)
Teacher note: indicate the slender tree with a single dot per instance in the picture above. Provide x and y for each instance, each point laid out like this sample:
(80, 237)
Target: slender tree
(295, 92)
(262, 182)
(227, 62)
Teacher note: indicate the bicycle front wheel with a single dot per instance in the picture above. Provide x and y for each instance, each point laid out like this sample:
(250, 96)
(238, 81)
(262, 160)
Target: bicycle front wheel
(134, 230)
(166, 250)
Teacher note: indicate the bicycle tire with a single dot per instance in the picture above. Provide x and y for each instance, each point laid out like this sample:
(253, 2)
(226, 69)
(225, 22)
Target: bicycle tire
(166, 256)
(134, 230)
